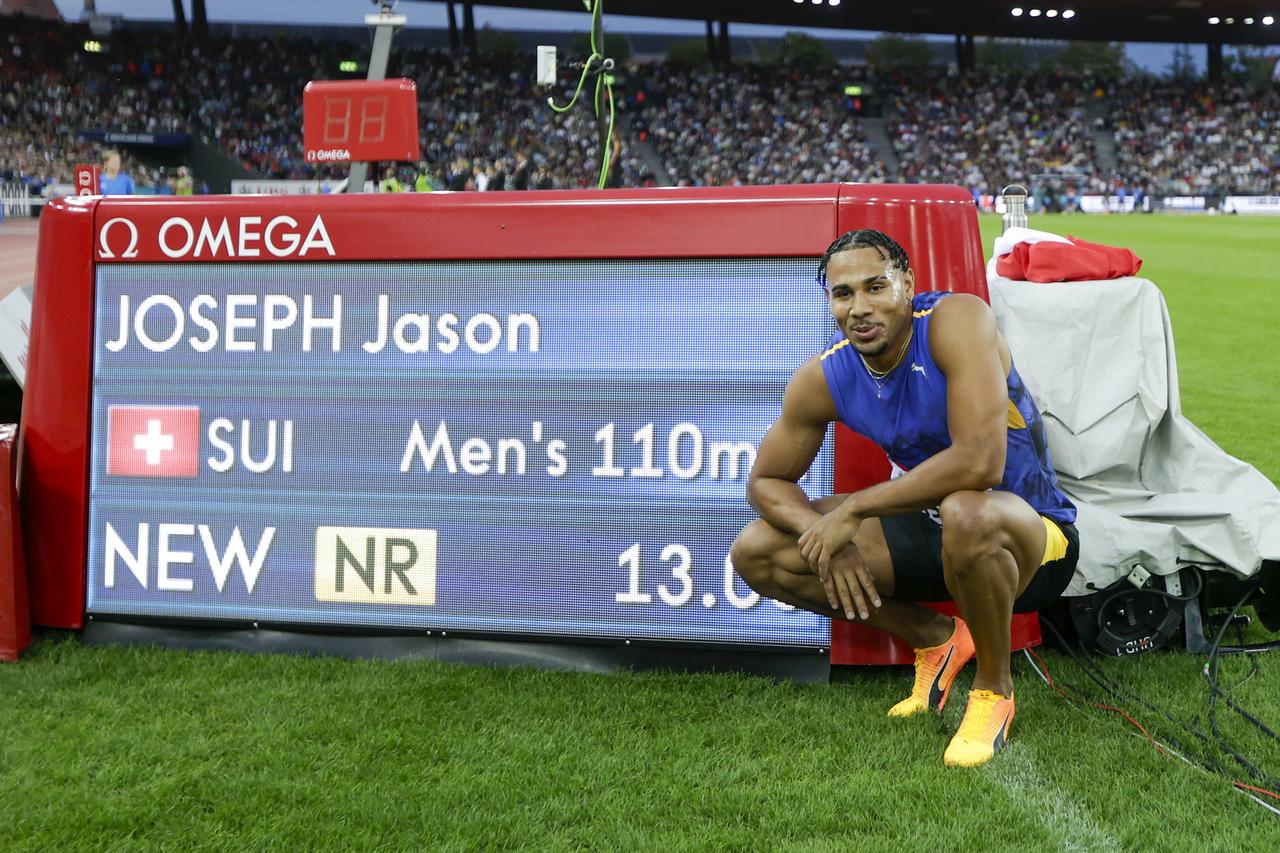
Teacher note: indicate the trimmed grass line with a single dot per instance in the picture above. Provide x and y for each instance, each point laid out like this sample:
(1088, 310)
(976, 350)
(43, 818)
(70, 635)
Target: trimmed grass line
(1018, 773)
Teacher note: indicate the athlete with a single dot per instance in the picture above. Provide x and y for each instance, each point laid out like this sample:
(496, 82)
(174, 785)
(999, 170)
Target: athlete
(976, 517)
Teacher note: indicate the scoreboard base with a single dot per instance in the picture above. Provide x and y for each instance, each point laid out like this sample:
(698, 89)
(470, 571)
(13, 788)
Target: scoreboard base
(807, 665)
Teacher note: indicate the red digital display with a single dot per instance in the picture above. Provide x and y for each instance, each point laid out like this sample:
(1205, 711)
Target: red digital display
(87, 177)
(346, 121)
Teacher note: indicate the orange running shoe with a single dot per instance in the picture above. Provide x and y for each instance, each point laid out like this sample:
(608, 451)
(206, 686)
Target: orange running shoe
(936, 671)
(983, 732)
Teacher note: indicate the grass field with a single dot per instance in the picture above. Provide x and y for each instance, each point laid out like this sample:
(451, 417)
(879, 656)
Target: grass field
(125, 749)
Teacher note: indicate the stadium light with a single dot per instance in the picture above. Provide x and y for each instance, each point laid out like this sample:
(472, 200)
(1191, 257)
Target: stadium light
(1268, 21)
(1213, 20)
(1229, 21)
(1035, 13)
(1248, 20)
(1052, 13)
(833, 2)
(1016, 11)
(1068, 14)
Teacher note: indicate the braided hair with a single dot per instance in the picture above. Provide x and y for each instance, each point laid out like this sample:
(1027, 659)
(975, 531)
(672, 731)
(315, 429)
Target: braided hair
(865, 238)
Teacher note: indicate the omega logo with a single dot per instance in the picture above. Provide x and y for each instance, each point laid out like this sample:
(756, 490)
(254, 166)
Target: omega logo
(104, 246)
(230, 237)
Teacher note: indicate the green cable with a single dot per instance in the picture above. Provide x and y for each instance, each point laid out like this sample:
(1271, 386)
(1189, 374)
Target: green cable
(607, 153)
(594, 9)
(604, 79)
(551, 102)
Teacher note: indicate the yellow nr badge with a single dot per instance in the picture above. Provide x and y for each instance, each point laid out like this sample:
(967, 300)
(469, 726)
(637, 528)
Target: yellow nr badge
(376, 565)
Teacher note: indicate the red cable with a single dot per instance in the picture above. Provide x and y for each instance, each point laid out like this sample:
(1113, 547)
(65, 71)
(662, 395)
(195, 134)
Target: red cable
(1049, 678)
(1264, 791)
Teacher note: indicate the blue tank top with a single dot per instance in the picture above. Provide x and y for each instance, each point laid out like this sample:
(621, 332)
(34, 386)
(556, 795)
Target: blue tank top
(907, 415)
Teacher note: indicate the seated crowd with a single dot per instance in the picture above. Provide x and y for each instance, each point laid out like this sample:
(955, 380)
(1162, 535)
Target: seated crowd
(1193, 139)
(485, 125)
(986, 132)
(754, 126)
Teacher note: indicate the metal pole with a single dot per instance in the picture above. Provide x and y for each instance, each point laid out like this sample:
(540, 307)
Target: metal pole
(454, 41)
(384, 26)
(469, 28)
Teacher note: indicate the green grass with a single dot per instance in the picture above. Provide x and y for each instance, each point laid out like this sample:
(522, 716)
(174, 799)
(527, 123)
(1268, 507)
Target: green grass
(127, 749)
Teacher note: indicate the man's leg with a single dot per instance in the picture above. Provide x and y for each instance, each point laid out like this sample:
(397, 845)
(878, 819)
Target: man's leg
(992, 545)
(769, 561)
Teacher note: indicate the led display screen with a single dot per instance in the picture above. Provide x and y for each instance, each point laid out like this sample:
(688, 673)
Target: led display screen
(530, 448)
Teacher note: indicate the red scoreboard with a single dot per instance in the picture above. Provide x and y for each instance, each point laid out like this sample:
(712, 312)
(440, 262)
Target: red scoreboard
(346, 121)
(415, 414)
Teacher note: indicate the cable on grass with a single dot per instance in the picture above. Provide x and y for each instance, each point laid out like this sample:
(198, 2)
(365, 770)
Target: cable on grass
(1112, 687)
(1210, 673)
(1205, 762)
(1048, 678)
(1242, 786)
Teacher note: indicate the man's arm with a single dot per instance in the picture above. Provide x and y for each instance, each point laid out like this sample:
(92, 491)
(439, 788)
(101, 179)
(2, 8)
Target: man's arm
(788, 449)
(786, 452)
(966, 347)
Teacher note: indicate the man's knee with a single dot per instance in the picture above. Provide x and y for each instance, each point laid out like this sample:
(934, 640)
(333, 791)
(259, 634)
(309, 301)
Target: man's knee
(970, 528)
(753, 552)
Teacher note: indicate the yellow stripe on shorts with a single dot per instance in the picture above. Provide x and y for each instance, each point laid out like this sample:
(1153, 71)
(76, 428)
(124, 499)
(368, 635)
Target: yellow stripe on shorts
(1055, 541)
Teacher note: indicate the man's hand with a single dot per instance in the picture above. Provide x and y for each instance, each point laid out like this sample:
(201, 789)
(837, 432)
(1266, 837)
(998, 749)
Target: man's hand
(827, 547)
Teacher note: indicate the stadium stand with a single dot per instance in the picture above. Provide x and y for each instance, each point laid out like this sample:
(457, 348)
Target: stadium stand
(222, 91)
(754, 126)
(485, 125)
(1189, 138)
(985, 131)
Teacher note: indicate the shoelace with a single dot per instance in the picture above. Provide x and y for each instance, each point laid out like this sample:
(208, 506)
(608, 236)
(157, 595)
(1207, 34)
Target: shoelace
(925, 673)
(977, 722)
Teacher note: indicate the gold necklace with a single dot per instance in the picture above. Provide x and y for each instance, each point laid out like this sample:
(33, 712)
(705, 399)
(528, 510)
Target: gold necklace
(879, 376)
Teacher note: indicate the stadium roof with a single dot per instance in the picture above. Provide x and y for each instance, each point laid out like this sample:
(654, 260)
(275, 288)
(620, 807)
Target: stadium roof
(1174, 21)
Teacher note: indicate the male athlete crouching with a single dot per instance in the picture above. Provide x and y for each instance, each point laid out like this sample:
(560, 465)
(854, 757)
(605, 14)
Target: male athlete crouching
(977, 518)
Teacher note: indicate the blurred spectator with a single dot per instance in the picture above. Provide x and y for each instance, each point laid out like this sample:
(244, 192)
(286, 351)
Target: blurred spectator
(423, 183)
(390, 183)
(113, 181)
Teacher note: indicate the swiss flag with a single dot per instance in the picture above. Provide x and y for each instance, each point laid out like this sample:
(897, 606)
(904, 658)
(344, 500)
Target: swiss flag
(153, 441)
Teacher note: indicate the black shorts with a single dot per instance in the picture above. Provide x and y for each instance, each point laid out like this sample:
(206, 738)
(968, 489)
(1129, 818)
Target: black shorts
(915, 547)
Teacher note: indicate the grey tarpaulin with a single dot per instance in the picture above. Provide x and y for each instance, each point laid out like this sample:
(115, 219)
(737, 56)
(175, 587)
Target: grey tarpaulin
(1152, 489)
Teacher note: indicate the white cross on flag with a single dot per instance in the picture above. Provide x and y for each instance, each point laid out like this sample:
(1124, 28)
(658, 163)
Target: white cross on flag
(153, 441)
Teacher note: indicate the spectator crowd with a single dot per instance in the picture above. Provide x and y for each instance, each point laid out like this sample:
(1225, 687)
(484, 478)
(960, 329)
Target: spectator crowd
(1190, 139)
(756, 125)
(986, 132)
(485, 125)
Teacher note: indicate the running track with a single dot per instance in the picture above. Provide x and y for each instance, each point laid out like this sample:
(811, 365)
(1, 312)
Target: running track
(17, 254)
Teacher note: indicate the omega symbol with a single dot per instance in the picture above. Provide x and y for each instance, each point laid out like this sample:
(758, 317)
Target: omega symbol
(131, 251)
